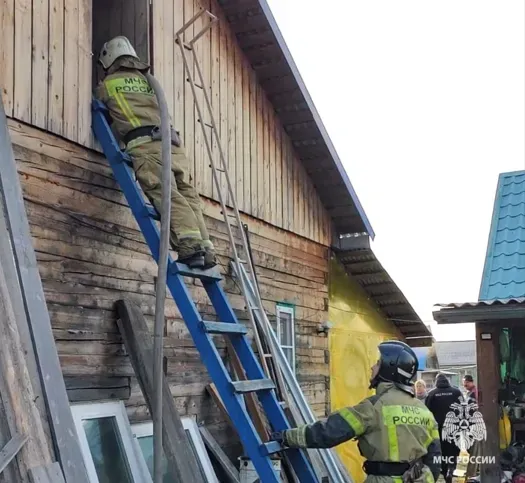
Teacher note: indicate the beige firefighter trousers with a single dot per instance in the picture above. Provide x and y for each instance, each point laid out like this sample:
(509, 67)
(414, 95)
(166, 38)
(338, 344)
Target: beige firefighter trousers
(186, 221)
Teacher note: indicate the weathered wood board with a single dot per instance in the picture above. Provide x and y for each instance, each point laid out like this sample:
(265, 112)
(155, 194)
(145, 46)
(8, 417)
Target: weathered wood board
(90, 254)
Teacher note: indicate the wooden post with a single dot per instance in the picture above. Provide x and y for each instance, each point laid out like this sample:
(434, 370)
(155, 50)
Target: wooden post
(488, 386)
(138, 340)
(35, 335)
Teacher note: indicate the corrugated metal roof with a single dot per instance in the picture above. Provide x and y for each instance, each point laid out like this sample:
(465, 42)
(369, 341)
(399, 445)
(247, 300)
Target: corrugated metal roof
(484, 310)
(480, 303)
(362, 264)
(456, 353)
(504, 271)
(264, 46)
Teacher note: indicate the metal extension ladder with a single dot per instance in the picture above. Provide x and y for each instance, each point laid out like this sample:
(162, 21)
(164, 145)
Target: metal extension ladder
(231, 392)
(303, 413)
(290, 390)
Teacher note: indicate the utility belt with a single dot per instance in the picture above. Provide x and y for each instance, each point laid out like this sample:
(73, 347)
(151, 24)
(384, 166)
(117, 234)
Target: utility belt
(385, 468)
(153, 132)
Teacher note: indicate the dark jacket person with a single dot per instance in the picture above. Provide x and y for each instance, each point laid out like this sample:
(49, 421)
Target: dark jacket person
(439, 401)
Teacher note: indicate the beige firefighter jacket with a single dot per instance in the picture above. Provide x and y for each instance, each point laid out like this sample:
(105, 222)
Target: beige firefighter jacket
(391, 426)
(129, 97)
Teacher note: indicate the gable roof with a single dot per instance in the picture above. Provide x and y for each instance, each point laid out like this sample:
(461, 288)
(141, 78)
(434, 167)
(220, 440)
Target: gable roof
(261, 41)
(456, 353)
(504, 270)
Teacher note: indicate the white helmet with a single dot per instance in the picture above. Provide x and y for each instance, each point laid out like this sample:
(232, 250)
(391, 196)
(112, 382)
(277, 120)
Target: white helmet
(114, 49)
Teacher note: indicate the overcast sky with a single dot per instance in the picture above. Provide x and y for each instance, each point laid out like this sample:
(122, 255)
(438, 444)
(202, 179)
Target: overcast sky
(424, 101)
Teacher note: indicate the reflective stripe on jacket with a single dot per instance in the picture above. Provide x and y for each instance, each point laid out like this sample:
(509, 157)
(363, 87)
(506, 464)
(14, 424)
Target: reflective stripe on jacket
(130, 99)
(390, 426)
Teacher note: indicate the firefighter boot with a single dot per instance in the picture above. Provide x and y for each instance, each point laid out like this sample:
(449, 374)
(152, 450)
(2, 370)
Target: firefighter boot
(210, 259)
(191, 252)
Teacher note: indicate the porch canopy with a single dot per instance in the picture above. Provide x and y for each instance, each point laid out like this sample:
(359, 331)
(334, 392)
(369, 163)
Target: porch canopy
(497, 310)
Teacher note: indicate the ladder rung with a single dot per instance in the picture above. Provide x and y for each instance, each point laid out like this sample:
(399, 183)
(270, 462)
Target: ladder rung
(185, 45)
(253, 385)
(206, 124)
(271, 448)
(266, 356)
(209, 275)
(151, 212)
(195, 84)
(224, 328)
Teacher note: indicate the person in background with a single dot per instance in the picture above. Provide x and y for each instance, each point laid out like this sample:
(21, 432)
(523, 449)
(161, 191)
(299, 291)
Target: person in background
(472, 390)
(421, 389)
(439, 401)
(475, 449)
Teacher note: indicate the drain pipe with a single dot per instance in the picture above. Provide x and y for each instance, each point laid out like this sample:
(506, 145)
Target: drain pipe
(160, 291)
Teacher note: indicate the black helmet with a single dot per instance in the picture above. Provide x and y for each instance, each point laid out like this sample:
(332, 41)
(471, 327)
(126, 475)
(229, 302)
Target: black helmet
(398, 363)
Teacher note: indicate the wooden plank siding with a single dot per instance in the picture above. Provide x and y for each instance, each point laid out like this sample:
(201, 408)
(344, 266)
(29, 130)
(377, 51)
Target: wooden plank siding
(91, 254)
(48, 67)
(7, 55)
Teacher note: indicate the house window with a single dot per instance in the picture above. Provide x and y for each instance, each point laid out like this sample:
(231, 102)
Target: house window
(107, 443)
(286, 332)
(144, 434)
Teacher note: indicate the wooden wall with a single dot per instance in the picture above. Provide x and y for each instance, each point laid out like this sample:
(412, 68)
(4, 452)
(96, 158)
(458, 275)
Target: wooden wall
(90, 254)
(45, 64)
(269, 180)
(46, 75)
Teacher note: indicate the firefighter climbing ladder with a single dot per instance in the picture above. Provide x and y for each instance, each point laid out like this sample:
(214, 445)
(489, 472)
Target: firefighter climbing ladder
(258, 381)
(201, 331)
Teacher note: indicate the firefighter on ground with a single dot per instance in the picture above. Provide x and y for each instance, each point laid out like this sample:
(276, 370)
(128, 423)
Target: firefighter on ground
(135, 117)
(396, 433)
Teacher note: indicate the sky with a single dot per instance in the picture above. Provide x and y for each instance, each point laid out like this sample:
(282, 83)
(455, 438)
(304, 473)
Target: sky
(424, 102)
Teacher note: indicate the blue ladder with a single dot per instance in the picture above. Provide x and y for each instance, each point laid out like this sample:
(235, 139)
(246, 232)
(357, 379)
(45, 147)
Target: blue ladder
(230, 391)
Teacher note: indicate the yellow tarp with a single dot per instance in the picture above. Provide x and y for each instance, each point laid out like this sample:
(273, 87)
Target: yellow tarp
(357, 330)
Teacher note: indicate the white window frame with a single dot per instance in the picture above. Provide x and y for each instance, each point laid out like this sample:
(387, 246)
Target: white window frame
(286, 309)
(115, 409)
(189, 424)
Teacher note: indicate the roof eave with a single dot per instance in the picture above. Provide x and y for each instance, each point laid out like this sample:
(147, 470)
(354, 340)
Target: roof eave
(340, 168)
(480, 313)
(360, 262)
(335, 189)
